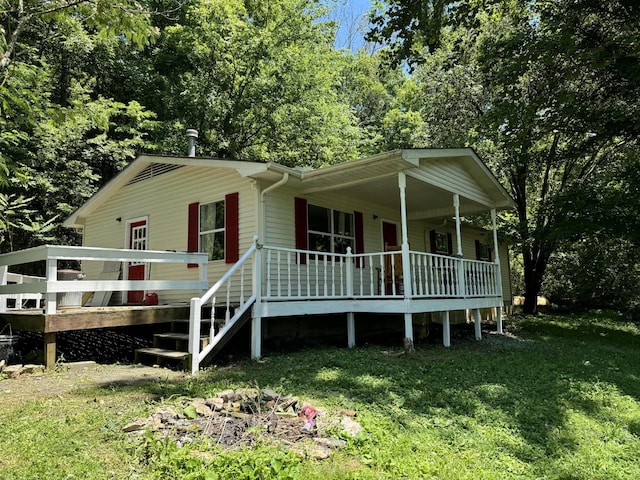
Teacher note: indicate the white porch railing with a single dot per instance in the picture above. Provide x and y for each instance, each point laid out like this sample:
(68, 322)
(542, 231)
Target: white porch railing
(20, 300)
(238, 290)
(439, 276)
(51, 286)
(307, 275)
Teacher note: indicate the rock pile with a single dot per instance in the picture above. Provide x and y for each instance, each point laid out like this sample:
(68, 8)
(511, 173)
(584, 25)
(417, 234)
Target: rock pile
(238, 418)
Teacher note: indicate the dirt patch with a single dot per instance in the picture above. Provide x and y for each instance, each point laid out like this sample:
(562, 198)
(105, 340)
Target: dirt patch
(69, 377)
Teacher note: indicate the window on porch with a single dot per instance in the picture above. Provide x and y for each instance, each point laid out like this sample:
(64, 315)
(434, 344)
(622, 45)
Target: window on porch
(483, 251)
(330, 230)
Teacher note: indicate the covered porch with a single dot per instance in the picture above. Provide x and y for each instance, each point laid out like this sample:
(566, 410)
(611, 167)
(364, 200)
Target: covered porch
(349, 265)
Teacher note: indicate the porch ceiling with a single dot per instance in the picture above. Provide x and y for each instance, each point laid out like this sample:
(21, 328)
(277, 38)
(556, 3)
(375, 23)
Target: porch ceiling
(423, 200)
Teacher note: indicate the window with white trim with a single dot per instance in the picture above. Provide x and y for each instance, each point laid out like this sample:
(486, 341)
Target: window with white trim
(330, 230)
(212, 229)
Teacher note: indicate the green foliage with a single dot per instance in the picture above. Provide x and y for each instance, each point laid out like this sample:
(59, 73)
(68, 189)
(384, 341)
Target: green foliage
(382, 101)
(59, 140)
(16, 215)
(597, 272)
(203, 461)
(545, 91)
(254, 78)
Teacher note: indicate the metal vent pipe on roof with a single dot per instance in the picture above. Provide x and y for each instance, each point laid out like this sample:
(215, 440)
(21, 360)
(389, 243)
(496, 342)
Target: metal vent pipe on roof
(192, 134)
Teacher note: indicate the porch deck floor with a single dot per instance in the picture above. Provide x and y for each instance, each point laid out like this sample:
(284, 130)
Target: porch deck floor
(83, 318)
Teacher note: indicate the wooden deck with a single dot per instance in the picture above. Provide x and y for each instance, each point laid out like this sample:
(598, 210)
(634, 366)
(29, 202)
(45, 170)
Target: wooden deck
(84, 318)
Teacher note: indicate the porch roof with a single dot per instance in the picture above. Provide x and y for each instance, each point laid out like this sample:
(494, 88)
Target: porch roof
(433, 176)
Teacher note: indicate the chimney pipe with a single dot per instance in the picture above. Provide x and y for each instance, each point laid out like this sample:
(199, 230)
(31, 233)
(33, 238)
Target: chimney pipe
(192, 134)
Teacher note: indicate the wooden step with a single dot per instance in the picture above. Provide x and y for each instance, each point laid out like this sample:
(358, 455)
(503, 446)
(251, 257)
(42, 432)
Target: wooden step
(177, 336)
(186, 320)
(163, 356)
(177, 340)
(181, 325)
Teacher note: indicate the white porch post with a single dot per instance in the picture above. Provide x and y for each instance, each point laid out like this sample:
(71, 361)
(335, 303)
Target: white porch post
(446, 331)
(204, 276)
(406, 262)
(52, 276)
(256, 317)
(459, 264)
(498, 271)
(4, 273)
(476, 323)
(456, 206)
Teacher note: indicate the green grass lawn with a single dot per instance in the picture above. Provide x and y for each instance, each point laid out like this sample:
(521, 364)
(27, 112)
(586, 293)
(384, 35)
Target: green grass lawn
(557, 398)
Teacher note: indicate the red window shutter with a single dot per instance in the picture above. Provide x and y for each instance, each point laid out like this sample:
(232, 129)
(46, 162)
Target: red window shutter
(478, 250)
(193, 230)
(450, 243)
(489, 254)
(301, 227)
(359, 232)
(231, 228)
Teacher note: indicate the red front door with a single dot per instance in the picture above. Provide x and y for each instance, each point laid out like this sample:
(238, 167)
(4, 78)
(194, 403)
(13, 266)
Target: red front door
(137, 241)
(389, 234)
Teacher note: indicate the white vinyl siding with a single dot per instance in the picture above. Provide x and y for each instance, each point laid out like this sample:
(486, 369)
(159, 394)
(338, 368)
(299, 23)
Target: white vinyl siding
(165, 200)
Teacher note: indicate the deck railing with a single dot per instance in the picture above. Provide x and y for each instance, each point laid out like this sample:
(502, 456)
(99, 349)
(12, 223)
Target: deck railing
(19, 300)
(307, 275)
(234, 294)
(51, 286)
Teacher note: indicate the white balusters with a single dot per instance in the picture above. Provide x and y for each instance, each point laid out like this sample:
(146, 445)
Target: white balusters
(279, 258)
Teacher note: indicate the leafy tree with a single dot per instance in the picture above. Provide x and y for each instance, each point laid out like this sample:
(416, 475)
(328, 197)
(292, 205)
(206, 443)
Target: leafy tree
(58, 139)
(256, 80)
(548, 94)
(382, 101)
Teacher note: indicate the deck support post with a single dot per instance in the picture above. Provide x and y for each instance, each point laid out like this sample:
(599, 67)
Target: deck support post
(499, 320)
(408, 326)
(50, 350)
(476, 322)
(351, 330)
(256, 338)
(195, 314)
(256, 318)
(446, 331)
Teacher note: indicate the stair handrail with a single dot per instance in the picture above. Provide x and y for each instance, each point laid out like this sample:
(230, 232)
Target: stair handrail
(197, 302)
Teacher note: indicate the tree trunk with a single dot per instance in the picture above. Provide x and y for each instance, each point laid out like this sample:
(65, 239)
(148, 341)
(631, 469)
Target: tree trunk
(536, 260)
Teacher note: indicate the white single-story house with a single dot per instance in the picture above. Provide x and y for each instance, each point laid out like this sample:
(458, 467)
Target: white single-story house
(379, 234)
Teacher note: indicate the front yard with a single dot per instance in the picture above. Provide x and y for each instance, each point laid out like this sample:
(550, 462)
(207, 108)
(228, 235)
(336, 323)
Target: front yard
(558, 397)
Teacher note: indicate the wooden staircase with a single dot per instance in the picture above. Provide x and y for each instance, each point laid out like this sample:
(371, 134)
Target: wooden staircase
(171, 349)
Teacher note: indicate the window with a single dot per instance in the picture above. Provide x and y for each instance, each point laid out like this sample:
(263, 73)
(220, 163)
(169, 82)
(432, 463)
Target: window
(330, 230)
(441, 242)
(212, 229)
(442, 245)
(483, 251)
